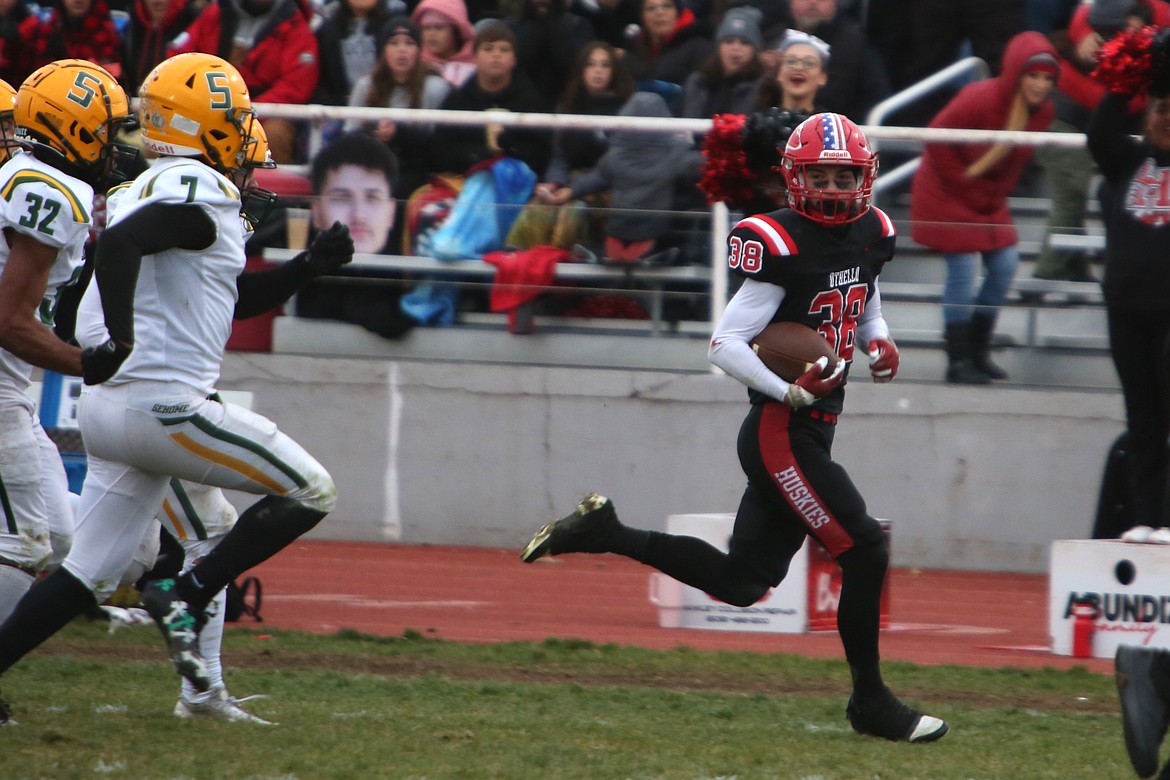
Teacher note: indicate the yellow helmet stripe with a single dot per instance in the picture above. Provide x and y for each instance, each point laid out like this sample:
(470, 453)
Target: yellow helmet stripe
(80, 215)
(124, 185)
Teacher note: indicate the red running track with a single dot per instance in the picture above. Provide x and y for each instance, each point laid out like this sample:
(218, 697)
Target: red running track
(474, 594)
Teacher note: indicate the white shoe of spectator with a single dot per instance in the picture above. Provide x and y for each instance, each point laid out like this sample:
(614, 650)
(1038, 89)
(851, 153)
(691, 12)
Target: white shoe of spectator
(1139, 534)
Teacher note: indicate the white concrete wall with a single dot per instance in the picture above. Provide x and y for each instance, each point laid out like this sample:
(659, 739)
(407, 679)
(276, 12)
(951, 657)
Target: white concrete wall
(445, 453)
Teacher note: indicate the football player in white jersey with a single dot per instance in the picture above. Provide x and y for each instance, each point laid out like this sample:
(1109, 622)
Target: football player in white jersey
(66, 114)
(167, 268)
(198, 516)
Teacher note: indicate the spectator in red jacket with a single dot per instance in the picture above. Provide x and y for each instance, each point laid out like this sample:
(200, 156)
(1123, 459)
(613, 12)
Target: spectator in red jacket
(1077, 95)
(271, 44)
(958, 203)
(79, 29)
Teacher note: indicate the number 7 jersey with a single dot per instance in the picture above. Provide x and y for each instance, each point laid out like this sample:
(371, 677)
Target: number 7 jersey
(54, 209)
(185, 298)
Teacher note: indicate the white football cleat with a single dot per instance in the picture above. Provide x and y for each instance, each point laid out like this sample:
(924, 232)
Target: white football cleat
(220, 706)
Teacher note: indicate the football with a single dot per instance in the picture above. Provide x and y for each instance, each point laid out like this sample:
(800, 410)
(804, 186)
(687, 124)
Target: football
(789, 349)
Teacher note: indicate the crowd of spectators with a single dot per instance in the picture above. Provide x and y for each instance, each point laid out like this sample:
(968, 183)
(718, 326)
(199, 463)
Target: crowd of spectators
(700, 57)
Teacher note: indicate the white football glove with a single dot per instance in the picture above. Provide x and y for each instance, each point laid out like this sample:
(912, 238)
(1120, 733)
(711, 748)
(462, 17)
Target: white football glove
(125, 617)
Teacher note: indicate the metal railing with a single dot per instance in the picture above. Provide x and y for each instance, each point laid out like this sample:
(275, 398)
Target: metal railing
(318, 115)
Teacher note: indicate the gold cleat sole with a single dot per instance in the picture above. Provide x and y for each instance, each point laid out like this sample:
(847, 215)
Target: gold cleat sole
(541, 544)
(538, 547)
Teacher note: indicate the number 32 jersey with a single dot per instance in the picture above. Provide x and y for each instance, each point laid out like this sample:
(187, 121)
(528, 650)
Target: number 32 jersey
(53, 208)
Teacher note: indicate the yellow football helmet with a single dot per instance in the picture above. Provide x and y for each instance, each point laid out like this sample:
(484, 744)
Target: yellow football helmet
(72, 109)
(259, 154)
(255, 201)
(8, 140)
(197, 105)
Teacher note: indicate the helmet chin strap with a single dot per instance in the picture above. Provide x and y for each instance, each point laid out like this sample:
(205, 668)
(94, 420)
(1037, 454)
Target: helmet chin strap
(43, 148)
(212, 155)
(70, 149)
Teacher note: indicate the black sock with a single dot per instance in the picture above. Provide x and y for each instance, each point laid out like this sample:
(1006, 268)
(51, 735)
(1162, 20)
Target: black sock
(630, 542)
(694, 562)
(863, 570)
(264, 529)
(47, 608)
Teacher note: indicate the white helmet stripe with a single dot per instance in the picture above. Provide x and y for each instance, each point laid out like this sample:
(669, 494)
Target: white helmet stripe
(839, 131)
(777, 239)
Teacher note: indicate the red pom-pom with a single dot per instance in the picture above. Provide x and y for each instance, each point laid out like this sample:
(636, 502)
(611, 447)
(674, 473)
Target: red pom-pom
(1123, 62)
(725, 173)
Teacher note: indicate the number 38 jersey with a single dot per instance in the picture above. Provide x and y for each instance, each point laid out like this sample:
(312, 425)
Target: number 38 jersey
(828, 274)
(53, 208)
(184, 300)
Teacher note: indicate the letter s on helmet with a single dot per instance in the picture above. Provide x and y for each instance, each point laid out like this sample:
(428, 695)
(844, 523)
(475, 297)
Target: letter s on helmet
(828, 140)
(73, 109)
(197, 105)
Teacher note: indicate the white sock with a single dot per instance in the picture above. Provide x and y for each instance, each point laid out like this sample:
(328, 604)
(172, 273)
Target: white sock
(210, 639)
(14, 583)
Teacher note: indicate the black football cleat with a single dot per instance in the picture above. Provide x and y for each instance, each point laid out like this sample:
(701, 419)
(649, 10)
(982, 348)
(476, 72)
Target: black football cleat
(588, 529)
(1145, 714)
(889, 718)
(6, 713)
(180, 627)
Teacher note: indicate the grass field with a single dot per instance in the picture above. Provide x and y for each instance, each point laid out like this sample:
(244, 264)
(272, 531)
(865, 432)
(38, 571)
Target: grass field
(93, 705)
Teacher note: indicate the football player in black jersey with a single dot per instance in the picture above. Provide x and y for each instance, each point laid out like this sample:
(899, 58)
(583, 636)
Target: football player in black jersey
(817, 263)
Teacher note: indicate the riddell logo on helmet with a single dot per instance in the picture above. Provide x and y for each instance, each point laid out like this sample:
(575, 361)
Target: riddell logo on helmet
(160, 148)
(835, 154)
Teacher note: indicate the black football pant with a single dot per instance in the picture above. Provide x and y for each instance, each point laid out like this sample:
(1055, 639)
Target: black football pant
(794, 488)
(1140, 345)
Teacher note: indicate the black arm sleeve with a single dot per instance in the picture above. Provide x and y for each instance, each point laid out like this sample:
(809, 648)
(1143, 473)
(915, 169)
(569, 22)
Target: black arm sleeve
(1108, 136)
(65, 315)
(149, 230)
(260, 291)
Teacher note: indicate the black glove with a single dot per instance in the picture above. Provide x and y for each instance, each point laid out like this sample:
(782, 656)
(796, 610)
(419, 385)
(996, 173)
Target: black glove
(331, 249)
(103, 361)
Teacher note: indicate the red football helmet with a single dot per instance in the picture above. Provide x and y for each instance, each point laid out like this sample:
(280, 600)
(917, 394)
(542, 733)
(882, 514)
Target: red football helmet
(828, 140)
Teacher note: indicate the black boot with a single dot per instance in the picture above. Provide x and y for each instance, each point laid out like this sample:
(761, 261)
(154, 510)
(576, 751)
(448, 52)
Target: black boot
(1143, 685)
(960, 369)
(982, 325)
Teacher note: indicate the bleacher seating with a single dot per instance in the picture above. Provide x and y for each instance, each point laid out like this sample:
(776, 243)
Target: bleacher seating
(1054, 331)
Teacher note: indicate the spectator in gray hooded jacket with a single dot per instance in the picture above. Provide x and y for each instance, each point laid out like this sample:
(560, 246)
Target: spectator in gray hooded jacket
(642, 170)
